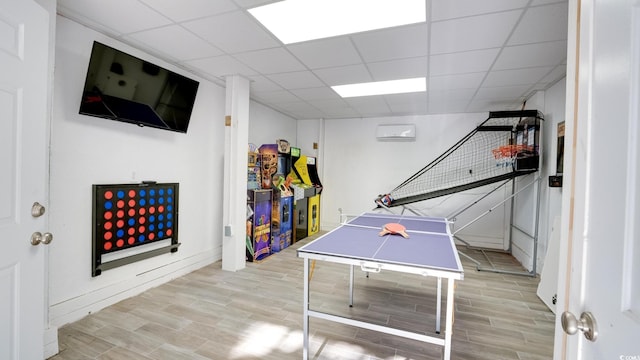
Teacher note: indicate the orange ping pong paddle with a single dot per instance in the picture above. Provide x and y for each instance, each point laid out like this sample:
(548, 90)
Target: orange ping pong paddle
(394, 228)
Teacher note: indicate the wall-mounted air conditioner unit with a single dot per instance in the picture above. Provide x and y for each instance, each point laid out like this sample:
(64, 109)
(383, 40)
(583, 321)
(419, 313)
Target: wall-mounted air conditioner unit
(405, 132)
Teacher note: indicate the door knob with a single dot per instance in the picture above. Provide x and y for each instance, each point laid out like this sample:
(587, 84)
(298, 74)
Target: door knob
(37, 238)
(37, 209)
(587, 324)
(47, 238)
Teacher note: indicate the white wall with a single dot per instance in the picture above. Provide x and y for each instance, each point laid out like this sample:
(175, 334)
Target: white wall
(87, 150)
(266, 126)
(357, 168)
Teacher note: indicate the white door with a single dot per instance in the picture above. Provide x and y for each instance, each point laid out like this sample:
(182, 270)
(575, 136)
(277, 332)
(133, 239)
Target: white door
(601, 204)
(23, 176)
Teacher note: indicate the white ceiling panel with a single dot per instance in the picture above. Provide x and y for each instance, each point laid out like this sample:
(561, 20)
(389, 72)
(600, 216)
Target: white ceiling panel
(451, 94)
(221, 66)
(175, 42)
(368, 105)
(451, 9)
(457, 81)
(395, 43)
(277, 97)
(446, 106)
(502, 92)
(516, 77)
(533, 55)
(190, 9)
(407, 103)
(463, 62)
(344, 75)
(531, 29)
(399, 69)
(473, 33)
(478, 55)
(112, 14)
(295, 80)
(332, 52)
(232, 32)
(271, 61)
(316, 93)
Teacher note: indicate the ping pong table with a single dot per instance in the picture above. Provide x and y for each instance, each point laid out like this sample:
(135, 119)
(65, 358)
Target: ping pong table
(429, 251)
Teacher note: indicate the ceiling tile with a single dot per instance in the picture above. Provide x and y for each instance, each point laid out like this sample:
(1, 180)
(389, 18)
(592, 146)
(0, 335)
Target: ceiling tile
(558, 72)
(175, 42)
(280, 96)
(271, 61)
(447, 106)
(248, 4)
(399, 69)
(232, 32)
(472, 33)
(325, 53)
(316, 93)
(296, 80)
(459, 81)
(464, 62)
(344, 75)
(450, 9)
(531, 29)
(543, 2)
(110, 14)
(301, 110)
(413, 103)
(368, 105)
(190, 9)
(533, 55)
(333, 107)
(495, 104)
(451, 94)
(394, 43)
(502, 92)
(516, 77)
(220, 66)
(262, 83)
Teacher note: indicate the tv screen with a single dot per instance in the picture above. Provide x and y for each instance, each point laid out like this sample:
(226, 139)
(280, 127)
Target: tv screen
(125, 88)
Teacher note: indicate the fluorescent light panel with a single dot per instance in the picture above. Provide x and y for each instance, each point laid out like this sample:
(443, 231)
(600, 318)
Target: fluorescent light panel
(382, 87)
(301, 20)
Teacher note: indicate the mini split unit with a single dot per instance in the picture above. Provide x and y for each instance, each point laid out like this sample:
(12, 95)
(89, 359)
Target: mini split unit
(406, 132)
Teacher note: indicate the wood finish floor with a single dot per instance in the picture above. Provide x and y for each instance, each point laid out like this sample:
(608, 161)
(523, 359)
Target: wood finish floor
(256, 313)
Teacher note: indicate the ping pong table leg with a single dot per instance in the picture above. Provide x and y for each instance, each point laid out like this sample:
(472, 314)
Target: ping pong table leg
(438, 305)
(350, 285)
(448, 331)
(305, 318)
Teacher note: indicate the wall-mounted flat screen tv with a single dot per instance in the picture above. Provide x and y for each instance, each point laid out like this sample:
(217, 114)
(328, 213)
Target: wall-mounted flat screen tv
(125, 88)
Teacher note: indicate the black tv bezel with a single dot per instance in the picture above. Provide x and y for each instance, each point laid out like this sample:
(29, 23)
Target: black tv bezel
(111, 115)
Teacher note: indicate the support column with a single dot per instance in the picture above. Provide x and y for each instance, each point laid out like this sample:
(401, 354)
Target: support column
(236, 141)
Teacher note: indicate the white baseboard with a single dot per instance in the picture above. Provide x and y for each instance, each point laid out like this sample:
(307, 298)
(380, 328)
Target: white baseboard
(76, 308)
(51, 342)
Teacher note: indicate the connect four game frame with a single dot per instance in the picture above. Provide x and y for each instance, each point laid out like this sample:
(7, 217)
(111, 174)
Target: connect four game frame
(127, 216)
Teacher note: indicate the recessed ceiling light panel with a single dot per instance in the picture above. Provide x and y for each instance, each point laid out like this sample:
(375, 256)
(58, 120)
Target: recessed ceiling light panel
(301, 20)
(382, 87)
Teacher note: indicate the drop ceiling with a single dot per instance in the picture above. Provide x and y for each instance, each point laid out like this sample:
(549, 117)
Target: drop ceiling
(477, 55)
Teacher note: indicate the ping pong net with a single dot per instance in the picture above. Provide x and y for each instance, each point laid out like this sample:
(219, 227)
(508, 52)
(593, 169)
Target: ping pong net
(412, 224)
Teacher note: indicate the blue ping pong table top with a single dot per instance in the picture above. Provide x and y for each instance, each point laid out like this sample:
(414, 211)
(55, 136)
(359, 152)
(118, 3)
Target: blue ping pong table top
(430, 244)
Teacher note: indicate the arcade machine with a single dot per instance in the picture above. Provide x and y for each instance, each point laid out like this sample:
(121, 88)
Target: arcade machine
(307, 189)
(274, 166)
(258, 224)
(258, 209)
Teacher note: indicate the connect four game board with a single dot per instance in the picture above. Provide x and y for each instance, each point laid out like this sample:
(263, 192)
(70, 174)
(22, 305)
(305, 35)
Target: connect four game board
(132, 215)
